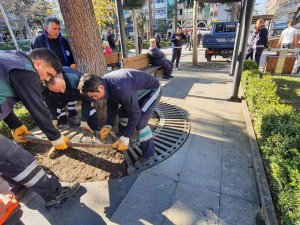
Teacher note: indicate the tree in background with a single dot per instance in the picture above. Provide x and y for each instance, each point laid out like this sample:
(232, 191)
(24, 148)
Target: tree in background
(163, 26)
(105, 12)
(141, 21)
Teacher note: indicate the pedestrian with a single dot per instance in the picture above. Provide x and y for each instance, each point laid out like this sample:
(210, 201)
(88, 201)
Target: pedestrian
(177, 40)
(133, 95)
(107, 50)
(288, 38)
(198, 38)
(53, 40)
(140, 44)
(158, 58)
(63, 89)
(110, 38)
(21, 76)
(259, 40)
(189, 41)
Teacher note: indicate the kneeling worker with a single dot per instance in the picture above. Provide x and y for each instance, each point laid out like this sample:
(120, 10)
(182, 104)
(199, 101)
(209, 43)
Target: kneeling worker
(138, 94)
(63, 89)
(20, 77)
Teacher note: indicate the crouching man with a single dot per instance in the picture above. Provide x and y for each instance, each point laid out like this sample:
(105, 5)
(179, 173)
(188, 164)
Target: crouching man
(133, 96)
(63, 89)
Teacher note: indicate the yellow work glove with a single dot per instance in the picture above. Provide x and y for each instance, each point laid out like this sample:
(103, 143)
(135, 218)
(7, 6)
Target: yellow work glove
(73, 66)
(61, 143)
(104, 132)
(55, 123)
(18, 132)
(121, 144)
(84, 126)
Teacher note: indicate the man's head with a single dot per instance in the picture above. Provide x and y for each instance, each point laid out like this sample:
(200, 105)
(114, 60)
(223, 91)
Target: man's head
(152, 43)
(57, 84)
(45, 62)
(179, 30)
(52, 26)
(260, 23)
(105, 44)
(291, 23)
(92, 86)
(109, 30)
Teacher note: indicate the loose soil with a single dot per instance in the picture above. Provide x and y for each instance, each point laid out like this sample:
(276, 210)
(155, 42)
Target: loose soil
(84, 164)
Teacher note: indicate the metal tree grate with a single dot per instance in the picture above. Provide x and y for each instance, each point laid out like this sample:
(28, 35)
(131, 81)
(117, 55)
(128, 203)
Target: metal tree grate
(171, 133)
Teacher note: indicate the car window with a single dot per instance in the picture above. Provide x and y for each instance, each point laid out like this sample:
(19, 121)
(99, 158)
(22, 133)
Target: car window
(219, 28)
(229, 27)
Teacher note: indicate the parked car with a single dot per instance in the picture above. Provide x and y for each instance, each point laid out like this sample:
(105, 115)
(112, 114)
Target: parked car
(220, 41)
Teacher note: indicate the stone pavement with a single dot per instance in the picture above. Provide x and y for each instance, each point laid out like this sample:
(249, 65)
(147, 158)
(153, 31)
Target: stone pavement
(209, 180)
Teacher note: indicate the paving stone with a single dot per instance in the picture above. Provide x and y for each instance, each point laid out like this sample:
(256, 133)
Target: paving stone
(147, 200)
(202, 167)
(234, 211)
(191, 205)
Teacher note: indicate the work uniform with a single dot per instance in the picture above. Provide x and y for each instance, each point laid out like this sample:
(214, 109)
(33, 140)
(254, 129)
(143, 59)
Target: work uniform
(133, 96)
(20, 82)
(56, 102)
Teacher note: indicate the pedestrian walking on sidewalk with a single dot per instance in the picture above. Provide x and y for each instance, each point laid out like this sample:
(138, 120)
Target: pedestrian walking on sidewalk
(288, 38)
(177, 40)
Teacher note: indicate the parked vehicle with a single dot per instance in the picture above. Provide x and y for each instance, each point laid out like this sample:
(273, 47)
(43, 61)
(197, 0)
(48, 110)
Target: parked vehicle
(220, 41)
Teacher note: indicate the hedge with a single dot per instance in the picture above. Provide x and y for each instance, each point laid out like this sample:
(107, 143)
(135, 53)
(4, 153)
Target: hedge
(278, 129)
(23, 115)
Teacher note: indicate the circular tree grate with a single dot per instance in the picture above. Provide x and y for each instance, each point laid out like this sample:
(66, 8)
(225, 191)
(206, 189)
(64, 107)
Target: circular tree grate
(171, 133)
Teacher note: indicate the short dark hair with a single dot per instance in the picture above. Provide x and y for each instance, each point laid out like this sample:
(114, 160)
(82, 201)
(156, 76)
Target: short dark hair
(51, 19)
(48, 56)
(89, 83)
(292, 23)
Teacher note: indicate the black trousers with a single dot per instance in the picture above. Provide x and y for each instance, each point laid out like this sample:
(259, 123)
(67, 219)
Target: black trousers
(176, 54)
(254, 54)
(20, 169)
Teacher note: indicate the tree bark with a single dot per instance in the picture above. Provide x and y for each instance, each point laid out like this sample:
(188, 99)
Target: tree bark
(150, 19)
(85, 41)
(195, 41)
(175, 25)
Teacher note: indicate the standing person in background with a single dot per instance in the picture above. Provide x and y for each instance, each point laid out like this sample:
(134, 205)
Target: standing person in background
(260, 41)
(140, 44)
(110, 38)
(288, 38)
(189, 41)
(53, 40)
(198, 38)
(177, 40)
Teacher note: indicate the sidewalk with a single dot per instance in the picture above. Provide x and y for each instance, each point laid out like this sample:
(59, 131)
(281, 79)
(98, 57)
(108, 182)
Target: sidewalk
(209, 180)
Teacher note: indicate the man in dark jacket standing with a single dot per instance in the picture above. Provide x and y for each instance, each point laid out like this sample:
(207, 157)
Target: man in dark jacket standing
(110, 38)
(53, 40)
(133, 95)
(260, 42)
(177, 40)
(20, 77)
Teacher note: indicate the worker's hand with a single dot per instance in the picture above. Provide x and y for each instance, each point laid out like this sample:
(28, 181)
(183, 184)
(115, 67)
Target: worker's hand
(121, 144)
(61, 143)
(85, 127)
(18, 132)
(104, 132)
(73, 66)
(55, 123)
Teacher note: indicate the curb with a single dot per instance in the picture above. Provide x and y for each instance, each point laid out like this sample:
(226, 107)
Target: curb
(266, 201)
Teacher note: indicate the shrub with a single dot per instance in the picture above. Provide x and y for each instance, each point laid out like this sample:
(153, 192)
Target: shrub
(250, 65)
(278, 127)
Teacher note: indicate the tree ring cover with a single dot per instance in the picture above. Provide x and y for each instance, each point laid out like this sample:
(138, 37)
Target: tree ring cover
(133, 4)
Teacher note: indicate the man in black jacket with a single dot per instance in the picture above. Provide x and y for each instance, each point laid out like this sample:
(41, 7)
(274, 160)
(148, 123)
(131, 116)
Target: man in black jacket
(20, 77)
(53, 40)
(110, 38)
(177, 40)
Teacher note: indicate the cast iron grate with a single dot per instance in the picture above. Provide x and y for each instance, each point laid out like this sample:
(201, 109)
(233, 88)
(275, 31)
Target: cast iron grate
(171, 133)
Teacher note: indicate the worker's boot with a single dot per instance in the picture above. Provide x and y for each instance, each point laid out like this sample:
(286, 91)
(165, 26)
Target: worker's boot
(143, 161)
(9, 207)
(67, 191)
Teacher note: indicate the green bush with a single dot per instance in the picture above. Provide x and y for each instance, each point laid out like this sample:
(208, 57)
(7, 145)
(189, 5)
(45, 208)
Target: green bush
(279, 138)
(23, 115)
(250, 65)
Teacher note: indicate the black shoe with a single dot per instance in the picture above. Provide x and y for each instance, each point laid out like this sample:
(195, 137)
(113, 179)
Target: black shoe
(143, 161)
(67, 192)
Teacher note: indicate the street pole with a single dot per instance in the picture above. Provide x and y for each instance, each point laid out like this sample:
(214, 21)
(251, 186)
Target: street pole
(195, 47)
(237, 37)
(122, 35)
(247, 13)
(9, 27)
(136, 43)
(175, 17)
(150, 19)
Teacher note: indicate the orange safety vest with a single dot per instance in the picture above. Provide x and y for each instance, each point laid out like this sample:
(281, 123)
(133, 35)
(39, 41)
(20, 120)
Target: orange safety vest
(8, 205)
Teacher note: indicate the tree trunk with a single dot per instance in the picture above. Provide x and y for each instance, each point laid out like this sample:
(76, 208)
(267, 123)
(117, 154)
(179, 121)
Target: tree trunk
(85, 41)
(150, 19)
(175, 16)
(27, 28)
(195, 41)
